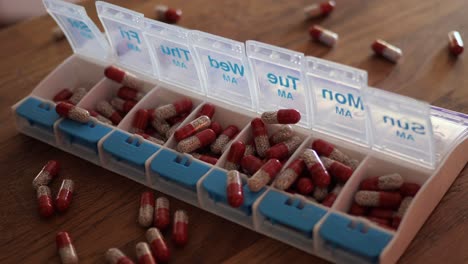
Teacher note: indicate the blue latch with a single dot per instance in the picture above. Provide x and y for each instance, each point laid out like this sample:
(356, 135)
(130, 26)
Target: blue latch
(38, 113)
(87, 135)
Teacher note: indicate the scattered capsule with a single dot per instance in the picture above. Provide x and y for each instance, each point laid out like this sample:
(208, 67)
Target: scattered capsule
(288, 176)
(235, 155)
(455, 43)
(178, 107)
(234, 190)
(123, 77)
(358, 210)
(284, 133)
(99, 117)
(64, 196)
(381, 213)
(304, 186)
(251, 164)
(78, 94)
(115, 256)
(180, 228)
(62, 95)
(106, 109)
(161, 126)
(337, 170)
(206, 158)
(162, 218)
(72, 112)
(266, 173)
(44, 199)
(65, 248)
(283, 116)
(207, 110)
(323, 35)
(223, 140)
(167, 14)
(146, 211)
(401, 211)
(320, 193)
(177, 119)
(158, 245)
(284, 149)
(141, 120)
(387, 50)
(128, 93)
(123, 105)
(388, 182)
(199, 140)
(150, 138)
(382, 199)
(316, 168)
(260, 134)
(409, 189)
(192, 128)
(327, 149)
(331, 197)
(319, 9)
(143, 253)
(47, 173)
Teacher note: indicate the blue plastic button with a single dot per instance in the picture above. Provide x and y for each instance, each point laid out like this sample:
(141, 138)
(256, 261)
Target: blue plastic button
(38, 113)
(87, 135)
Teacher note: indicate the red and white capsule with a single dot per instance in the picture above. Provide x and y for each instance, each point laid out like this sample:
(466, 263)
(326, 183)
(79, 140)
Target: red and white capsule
(250, 149)
(178, 107)
(128, 93)
(65, 195)
(143, 253)
(161, 126)
(106, 109)
(123, 77)
(320, 193)
(358, 210)
(115, 256)
(260, 134)
(386, 50)
(234, 190)
(389, 182)
(409, 189)
(146, 211)
(251, 164)
(44, 200)
(180, 228)
(304, 186)
(288, 176)
(323, 35)
(266, 173)
(123, 105)
(455, 43)
(331, 197)
(167, 14)
(172, 130)
(192, 128)
(223, 140)
(65, 248)
(150, 138)
(141, 120)
(283, 116)
(216, 127)
(390, 200)
(284, 133)
(72, 112)
(47, 173)
(199, 140)
(401, 211)
(78, 94)
(316, 168)
(381, 213)
(337, 170)
(328, 150)
(162, 217)
(235, 155)
(207, 110)
(206, 158)
(319, 9)
(158, 245)
(99, 117)
(284, 149)
(62, 95)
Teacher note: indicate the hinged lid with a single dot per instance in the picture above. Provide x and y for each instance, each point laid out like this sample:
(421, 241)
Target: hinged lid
(124, 29)
(336, 97)
(401, 126)
(279, 79)
(81, 32)
(224, 69)
(169, 49)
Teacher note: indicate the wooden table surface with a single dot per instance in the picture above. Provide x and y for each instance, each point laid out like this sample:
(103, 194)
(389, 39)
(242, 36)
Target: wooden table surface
(103, 213)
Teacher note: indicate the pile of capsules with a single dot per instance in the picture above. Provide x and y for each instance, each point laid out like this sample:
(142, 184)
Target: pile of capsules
(380, 47)
(384, 199)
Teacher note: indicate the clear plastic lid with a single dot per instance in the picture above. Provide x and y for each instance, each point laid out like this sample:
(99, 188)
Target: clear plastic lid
(279, 79)
(124, 29)
(169, 49)
(336, 97)
(224, 69)
(81, 32)
(401, 126)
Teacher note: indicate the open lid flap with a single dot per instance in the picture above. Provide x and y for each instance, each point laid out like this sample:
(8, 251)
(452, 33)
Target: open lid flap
(401, 126)
(279, 79)
(170, 52)
(336, 97)
(224, 69)
(124, 29)
(81, 32)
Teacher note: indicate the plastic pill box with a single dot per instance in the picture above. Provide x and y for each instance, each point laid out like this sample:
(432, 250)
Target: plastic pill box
(386, 132)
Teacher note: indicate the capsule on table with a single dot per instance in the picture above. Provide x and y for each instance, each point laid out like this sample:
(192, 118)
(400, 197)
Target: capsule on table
(331, 197)
(44, 200)
(123, 105)
(162, 218)
(283, 116)
(146, 211)
(99, 117)
(319, 9)
(106, 109)
(65, 248)
(401, 211)
(234, 190)
(357, 210)
(72, 112)
(328, 150)
(223, 140)
(128, 93)
(320, 193)
(284, 133)
(387, 182)
(251, 164)
(141, 120)
(167, 14)
(304, 186)
(284, 149)
(216, 127)
(199, 140)
(455, 43)
(409, 189)
(337, 170)
(381, 213)
(123, 77)
(266, 173)
(380, 199)
(47, 173)
(115, 256)
(235, 155)
(78, 94)
(161, 126)
(288, 176)
(150, 138)
(158, 245)
(64, 196)
(387, 50)
(180, 228)
(206, 158)
(207, 110)
(260, 134)
(323, 35)
(178, 107)
(143, 253)
(316, 168)
(62, 95)
(192, 128)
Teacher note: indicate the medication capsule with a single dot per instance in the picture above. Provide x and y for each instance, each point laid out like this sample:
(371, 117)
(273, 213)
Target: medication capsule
(327, 149)
(223, 140)
(123, 105)
(180, 228)
(319, 9)
(65, 248)
(47, 173)
(128, 93)
(44, 199)
(105, 109)
(251, 164)
(150, 138)
(192, 128)
(283, 116)
(72, 112)
(337, 170)
(216, 127)
(381, 213)
(78, 94)
(207, 110)
(158, 245)
(62, 95)
(161, 126)
(387, 182)
(284, 133)
(199, 140)
(260, 134)
(323, 35)
(167, 14)
(401, 211)
(455, 43)
(284, 149)
(141, 120)
(123, 77)
(304, 186)
(143, 253)
(320, 193)
(288, 176)
(249, 149)
(387, 50)
(146, 211)
(115, 256)
(409, 189)
(177, 119)
(331, 197)
(206, 158)
(235, 155)
(162, 218)
(178, 107)
(358, 210)
(64, 196)
(266, 173)
(390, 200)
(317, 170)
(234, 190)
(99, 117)
(172, 130)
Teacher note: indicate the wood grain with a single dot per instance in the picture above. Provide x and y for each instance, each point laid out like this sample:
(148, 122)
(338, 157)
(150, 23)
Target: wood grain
(103, 213)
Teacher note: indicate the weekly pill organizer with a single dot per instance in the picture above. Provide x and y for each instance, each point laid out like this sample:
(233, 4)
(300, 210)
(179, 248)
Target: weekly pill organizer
(386, 132)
